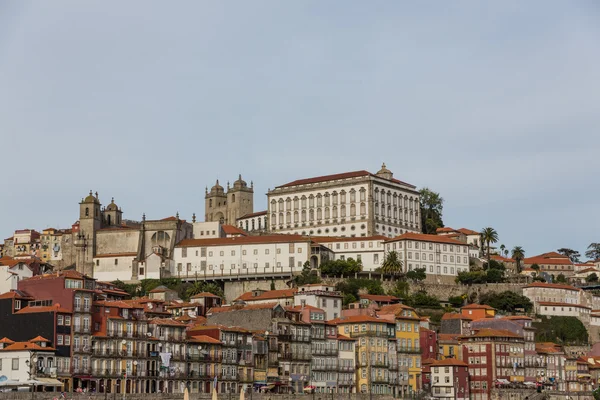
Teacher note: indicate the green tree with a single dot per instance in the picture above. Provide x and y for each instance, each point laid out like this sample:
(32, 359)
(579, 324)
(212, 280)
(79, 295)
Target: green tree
(592, 278)
(348, 299)
(392, 264)
(340, 267)
(400, 290)
(352, 286)
(518, 254)
(494, 265)
(561, 330)
(572, 254)
(456, 301)
(502, 247)
(536, 267)
(423, 300)
(506, 301)
(432, 205)
(494, 276)
(488, 236)
(593, 251)
(307, 276)
(560, 279)
(416, 275)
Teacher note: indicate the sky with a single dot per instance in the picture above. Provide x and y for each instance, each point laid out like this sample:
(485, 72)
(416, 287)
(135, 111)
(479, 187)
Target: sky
(495, 105)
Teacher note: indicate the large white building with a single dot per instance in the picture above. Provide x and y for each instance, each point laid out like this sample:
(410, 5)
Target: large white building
(368, 250)
(355, 203)
(439, 255)
(320, 296)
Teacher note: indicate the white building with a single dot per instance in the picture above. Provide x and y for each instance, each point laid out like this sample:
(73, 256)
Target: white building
(553, 292)
(439, 255)
(450, 379)
(23, 361)
(549, 308)
(11, 272)
(320, 296)
(254, 222)
(355, 203)
(207, 230)
(368, 250)
(237, 256)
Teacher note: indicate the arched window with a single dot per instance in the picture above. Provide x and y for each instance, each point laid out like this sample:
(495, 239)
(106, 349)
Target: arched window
(246, 224)
(296, 216)
(87, 212)
(311, 215)
(352, 196)
(280, 205)
(327, 213)
(319, 200)
(288, 217)
(303, 201)
(288, 204)
(273, 219)
(303, 215)
(352, 210)
(233, 198)
(363, 209)
(280, 218)
(296, 201)
(342, 197)
(210, 203)
(343, 211)
(335, 213)
(319, 214)
(108, 220)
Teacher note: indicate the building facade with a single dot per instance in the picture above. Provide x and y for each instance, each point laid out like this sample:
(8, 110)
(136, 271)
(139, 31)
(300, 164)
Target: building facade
(226, 206)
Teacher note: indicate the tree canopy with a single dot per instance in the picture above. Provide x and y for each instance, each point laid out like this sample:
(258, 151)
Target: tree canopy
(307, 276)
(560, 279)
(593, 251)
(572, 254)
(518, 254)
(562, 330)
(392, 264)
(432, 205)
(488, 236)
(506, 301)
(341, 267)
(422, 299)
(416, 275)
(352, 286)
(593, 277)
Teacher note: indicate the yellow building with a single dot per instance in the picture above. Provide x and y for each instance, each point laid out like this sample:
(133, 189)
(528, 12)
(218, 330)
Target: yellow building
(448, 346)
(372, 337)
(407, 334)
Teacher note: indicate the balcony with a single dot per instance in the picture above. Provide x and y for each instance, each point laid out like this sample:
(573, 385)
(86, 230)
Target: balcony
(285, 356)
(82, 350)
(228, 377)
(413, 350)
(81, 329)
(301, 357)
(81, 370)
(327, 367)
(378, 364)
(346, 382)
(285, 337)
(371, 333)
(227, 360)
(346, 368)
(302, 338)
(203, 358)
(379, 379)
(201, 375)
(325, 352)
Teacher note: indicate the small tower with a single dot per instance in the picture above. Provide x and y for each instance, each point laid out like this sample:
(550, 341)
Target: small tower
(90, 221)
(240, 200)
(385, 173)
(215, 204)
(112, 215)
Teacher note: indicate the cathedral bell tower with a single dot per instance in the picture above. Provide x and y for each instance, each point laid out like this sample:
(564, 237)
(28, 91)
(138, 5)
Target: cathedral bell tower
(90, 220)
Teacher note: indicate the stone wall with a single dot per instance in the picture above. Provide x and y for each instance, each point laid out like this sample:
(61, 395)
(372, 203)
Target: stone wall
(234, 289)
(193, 396)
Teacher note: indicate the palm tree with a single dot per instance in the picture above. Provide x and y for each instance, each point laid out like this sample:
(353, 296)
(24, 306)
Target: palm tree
(392, 264)
(489, 235)
(502, 247)
(197, 287)
(518, 254)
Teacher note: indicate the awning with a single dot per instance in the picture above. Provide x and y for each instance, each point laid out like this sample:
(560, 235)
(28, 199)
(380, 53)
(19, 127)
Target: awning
(503, 381)
(10, 383)
(49, 382)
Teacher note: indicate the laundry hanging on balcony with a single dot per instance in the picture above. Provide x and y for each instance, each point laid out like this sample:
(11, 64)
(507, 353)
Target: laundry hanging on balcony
(165, 358)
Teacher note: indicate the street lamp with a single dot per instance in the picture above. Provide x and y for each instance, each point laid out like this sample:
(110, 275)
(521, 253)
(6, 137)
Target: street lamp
(32, 364)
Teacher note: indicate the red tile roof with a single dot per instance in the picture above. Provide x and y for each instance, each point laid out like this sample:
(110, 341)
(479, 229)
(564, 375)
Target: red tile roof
(468, 232)
(268, 295)
(444, 229)
(448, 316)
(256, 214)
(166, 322)
(551, 286)
(379, 297)
(38, 339)
(342, 337)
(246, 307)
(551, 258)
(13, 295)
(335, 177)
(203, 339)
(204, 294)
(334, 239)
(486, 332)
(38, 309)
(233, 230)
(357, 319)
(421, 237)
(557, 304)
(449, 362)
(475, 306)
(306, 307)
(20, 346)
(497, 257)
(242, 240)
(6, 340)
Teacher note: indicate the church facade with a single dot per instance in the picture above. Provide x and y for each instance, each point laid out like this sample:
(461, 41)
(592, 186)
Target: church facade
(227, 206)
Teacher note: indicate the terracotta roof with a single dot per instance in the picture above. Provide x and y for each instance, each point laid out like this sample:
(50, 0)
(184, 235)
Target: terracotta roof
(268, 295)
(242, 240)
(38, 339)
(112, 255)
(448, 316)
(13, 295)
(551, 286)
(516, 318)
(449, 362)
(342, 337)
(203, 339)
(593, 269)
(357, 319)
(334, 177)
(165, 322)
(69, 273)
(497, 257)
(204, 294)
(20, 346)
(378, 297)
(467, 232)
(245, 307)
(256, 214)
(444, 229)
(171, 218)
(552, 303)
(40, 309)
(116, 304)
(450, 337)
(334, 239)
(426, 238)
(486, 332)
(475, 306)
(161, 289)
(306, 307)
(232, 230)
(6, 340)
(552, 258)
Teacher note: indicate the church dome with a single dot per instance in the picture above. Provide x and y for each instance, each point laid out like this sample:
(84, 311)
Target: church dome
(217, 188)
(240, 183)
(112, 206)
(91, 198)
(384, 172)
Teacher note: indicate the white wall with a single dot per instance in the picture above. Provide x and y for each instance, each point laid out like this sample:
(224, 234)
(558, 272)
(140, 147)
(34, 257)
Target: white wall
(318, 296)
(205, 230)
(239, 258)
(371, 250)
(437, 258)
(8, 279)
(106, 270)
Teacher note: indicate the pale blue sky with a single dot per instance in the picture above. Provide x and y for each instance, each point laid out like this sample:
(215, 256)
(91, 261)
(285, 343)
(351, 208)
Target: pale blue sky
(496, 105)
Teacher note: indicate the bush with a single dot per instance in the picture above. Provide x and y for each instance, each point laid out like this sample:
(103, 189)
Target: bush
(456, 301)
(561, 330)
(423, 299)
(416, 275)
(352, 286)
(340, 267)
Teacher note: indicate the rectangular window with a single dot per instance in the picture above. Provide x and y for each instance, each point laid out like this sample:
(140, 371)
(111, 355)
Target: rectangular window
(116, 261)
(59, 340)
(15, 364)
(184, 252)
(67, 340)
(60, 320)
(67, 320)
(203, 252)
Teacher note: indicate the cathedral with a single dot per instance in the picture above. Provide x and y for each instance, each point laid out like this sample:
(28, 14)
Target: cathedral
(227, 206)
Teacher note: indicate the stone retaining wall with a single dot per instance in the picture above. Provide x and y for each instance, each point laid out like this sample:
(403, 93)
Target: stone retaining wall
(193, 396)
